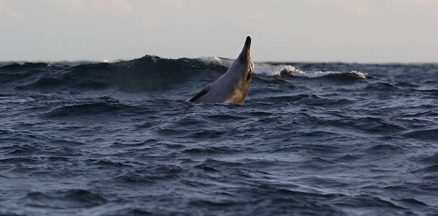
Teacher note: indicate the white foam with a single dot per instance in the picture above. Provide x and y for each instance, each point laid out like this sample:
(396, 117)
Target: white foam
(276, 70)
(217, 61)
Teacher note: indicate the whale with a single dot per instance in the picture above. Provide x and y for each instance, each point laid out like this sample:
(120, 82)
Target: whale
(233, 86)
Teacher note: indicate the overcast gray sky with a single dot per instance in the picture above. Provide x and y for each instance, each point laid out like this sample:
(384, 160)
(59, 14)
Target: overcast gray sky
(282, 30)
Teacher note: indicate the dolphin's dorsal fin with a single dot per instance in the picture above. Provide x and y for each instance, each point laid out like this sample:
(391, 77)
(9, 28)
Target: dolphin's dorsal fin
(202, 92)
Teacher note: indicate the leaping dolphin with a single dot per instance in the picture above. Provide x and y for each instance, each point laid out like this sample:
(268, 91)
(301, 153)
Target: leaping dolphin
(233, 85)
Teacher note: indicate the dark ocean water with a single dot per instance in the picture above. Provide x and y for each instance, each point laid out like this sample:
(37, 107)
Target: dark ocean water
(311, 139)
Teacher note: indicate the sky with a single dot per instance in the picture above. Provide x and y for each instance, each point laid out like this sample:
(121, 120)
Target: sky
(363, 31)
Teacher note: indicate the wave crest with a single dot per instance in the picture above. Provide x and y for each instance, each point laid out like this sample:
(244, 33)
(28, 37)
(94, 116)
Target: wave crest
(266, 69)
(149, 73)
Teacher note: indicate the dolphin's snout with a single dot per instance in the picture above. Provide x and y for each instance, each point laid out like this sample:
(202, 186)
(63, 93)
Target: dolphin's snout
(245, 54)
(248, 42)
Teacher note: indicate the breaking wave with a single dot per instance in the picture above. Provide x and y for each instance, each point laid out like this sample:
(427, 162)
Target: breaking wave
(146, 73)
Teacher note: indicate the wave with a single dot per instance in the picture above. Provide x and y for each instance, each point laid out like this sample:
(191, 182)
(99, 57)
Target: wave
(73, 198)
(100, 106)
(427, 134)
(266, 69)
(146, 73)
(149, 73)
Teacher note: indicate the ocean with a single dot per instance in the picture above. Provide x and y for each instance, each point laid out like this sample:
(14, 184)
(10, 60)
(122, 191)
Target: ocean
(120, 138)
